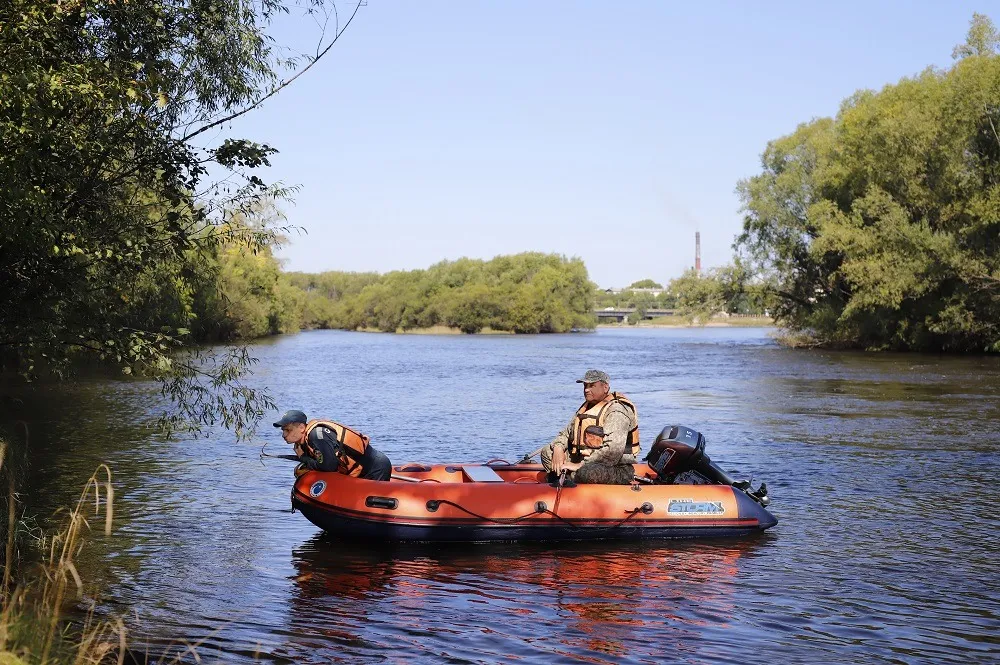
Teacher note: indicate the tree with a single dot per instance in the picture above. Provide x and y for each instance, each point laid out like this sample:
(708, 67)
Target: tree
(879, 228)
(982, 38)
(104, 182)
(645, 284)
(699, 297)
(524, 293)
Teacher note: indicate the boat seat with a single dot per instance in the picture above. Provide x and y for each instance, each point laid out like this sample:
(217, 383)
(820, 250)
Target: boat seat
(480, 474)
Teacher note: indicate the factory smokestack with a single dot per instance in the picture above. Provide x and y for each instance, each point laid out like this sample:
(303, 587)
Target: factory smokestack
(697, 252)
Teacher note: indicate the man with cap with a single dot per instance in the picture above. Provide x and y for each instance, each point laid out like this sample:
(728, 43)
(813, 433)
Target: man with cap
(323, 445)
(601, 443)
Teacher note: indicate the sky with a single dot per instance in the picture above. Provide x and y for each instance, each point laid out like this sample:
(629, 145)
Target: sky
(606, 131)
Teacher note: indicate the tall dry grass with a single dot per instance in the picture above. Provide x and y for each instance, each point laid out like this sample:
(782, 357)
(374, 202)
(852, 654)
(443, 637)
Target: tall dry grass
(34, 626)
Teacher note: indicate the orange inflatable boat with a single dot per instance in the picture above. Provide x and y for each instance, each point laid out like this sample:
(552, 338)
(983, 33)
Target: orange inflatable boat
(677, 493)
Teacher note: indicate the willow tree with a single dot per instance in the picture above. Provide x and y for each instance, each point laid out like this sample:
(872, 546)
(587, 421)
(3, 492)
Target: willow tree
(106, 197)
(880, 228)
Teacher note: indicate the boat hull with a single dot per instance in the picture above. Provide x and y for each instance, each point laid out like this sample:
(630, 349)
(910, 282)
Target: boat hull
(457, 503)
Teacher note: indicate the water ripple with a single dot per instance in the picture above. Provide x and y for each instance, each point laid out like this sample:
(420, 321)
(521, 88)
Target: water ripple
(882, 468)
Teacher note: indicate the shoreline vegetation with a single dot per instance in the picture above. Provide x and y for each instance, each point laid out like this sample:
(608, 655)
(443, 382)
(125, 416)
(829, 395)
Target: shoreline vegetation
(658, 322)
(37, 604)
(732, 321)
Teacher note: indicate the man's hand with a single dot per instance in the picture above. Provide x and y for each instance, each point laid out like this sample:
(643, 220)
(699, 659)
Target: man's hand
(299, 450)
(571, 466)
(558, 458)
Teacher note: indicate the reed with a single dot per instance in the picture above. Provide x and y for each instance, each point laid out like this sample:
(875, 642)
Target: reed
(34, 628)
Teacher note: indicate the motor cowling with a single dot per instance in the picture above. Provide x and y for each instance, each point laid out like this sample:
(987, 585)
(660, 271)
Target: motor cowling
(679, 448)
(676, 449)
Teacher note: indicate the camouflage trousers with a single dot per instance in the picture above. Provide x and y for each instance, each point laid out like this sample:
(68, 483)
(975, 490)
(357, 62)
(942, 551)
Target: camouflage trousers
(602, 474)
(594, 474)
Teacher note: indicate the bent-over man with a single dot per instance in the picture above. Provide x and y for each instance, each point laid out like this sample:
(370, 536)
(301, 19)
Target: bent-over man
(324, 445)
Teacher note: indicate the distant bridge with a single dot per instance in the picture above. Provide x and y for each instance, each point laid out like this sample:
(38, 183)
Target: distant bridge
(619, 314)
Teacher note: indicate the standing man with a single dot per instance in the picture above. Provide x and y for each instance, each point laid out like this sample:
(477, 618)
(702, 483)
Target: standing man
(601, 443)
(323, 445)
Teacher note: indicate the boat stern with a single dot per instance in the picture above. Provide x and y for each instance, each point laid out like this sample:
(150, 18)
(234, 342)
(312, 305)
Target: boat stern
(749, 508)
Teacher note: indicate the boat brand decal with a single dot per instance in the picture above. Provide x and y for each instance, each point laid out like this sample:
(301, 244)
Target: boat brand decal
(692, 507)
(317, 488)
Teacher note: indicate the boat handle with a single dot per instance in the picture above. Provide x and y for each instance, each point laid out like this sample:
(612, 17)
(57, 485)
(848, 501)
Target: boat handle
(381, 502)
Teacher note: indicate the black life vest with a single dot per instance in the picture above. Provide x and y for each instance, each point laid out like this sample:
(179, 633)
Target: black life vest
(353, 446)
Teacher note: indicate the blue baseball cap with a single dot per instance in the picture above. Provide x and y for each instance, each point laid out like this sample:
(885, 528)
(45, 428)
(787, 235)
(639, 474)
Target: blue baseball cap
(290, 417)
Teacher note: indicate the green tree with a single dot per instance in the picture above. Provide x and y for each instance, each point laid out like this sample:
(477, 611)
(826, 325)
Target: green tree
(643, 302)
(104, 182)
(879, 228)
(699, 297)
(982, 38)
(524, 293)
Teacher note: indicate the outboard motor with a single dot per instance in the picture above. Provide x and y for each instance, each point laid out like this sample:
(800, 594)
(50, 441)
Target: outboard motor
(678, 449)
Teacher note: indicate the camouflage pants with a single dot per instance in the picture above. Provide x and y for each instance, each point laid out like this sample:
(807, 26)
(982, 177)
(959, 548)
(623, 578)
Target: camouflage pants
(594, 474)
(601, 474)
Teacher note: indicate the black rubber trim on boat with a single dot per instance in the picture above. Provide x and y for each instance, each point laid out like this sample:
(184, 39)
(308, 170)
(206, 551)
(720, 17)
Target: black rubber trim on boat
(382, 502)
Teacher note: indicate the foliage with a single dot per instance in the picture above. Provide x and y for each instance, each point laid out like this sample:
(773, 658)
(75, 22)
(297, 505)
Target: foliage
(880, 228)
(106, 203)
(645, 284)
(523, 293)
(627, 298)
(694, 296)
(699, 297)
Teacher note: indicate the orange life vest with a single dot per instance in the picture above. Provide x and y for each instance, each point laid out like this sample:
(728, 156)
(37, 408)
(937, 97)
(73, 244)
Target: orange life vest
(596, 415)
(352, 445)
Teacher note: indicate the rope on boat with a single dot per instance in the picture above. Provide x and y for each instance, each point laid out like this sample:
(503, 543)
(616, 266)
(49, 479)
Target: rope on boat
(514, 520)
(495, 520)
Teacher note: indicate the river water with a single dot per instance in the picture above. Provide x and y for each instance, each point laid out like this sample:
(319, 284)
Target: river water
(883, 471)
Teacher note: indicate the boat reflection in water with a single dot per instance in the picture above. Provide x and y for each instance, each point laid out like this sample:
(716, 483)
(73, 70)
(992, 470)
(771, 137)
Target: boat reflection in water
(600, 601)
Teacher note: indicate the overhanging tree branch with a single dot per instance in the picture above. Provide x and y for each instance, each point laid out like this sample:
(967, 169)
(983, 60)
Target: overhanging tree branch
(276, 89)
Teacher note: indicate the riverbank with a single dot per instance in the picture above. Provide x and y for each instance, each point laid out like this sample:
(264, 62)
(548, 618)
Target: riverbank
(659, 322)
(681, 322)
(437, 330)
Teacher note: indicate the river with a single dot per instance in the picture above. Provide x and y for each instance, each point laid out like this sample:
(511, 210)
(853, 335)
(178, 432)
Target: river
(882, 468)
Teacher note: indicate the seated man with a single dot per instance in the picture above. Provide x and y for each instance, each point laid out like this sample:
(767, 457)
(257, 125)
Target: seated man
(600, 444)
(324, 445)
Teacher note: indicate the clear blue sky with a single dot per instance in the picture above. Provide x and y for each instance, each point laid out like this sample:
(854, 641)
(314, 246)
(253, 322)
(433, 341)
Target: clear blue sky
(604, 130)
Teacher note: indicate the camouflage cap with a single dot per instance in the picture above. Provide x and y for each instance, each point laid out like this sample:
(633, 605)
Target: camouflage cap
(593, 376)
